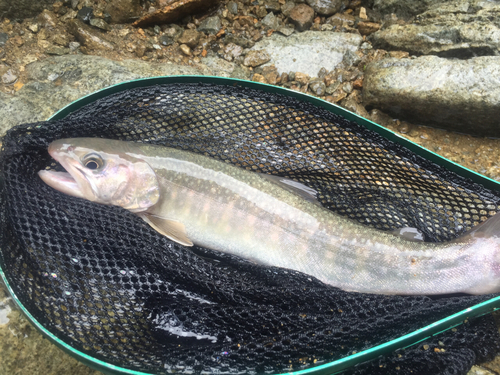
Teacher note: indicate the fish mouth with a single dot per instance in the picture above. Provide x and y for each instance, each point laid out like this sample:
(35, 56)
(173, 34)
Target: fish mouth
(65, 182)
(61, 181)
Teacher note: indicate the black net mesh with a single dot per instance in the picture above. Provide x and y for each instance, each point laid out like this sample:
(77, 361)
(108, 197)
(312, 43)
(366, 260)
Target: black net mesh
(103, 281)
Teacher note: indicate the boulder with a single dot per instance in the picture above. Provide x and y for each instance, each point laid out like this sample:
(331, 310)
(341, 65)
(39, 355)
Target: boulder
(460, 95)
(295, 52)
(57, 81)
(460, 28)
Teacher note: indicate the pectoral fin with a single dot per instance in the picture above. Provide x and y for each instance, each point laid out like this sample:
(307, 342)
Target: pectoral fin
(409, 234)
(293, 186)
(174, 230)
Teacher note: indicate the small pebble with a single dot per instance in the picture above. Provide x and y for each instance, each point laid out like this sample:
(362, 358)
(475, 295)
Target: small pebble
(286, 31)
(347, 87)
(362, 13)
(270, 21)
(3, 38)
(100, 23)
(302, 78)
(232, 7)
(210, 25)
(74, 45)
(9, 77)
(259, 78)
(33, 27)
(317, 87)
(404, 128)
(185, 49)
(256, 58)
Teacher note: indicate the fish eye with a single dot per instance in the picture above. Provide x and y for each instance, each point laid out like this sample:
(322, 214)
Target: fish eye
(93, 162)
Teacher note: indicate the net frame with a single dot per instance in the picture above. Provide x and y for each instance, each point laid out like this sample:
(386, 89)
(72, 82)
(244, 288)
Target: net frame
(415, 336)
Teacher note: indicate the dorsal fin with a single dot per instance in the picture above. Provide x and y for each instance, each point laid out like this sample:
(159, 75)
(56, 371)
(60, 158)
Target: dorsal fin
(295, 187)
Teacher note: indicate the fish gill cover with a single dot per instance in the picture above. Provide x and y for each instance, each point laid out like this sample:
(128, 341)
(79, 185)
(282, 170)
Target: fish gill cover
(104, 282)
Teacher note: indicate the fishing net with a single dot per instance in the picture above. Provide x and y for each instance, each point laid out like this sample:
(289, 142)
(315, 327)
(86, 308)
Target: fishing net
(104, 282)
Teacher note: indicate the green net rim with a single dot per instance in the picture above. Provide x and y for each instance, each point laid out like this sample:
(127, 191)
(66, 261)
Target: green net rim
(328, 368)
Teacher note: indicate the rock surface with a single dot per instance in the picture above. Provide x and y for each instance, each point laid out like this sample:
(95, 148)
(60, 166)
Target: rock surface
(88, 36)
(21, 9)
(174, 12)
(326, 7)
(460, 29)
(404, 8)
(57, 81)
(296, 52)
(122, 11)
(461, 95)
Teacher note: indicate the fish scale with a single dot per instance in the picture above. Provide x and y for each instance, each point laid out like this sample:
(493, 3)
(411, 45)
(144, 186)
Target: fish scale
(212, 204)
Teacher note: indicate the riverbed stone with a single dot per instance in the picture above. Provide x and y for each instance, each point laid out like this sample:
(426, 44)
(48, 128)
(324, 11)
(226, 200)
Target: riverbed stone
(232, 7)
(47, 19)
(295, 52)
(270, 21)
(317, 87)
(256, 57)
(210, 25)
(459, 29)
(3, 38)
(302, 17)
(190, 38)
(272, 6)
(9, 77)
(326, 7)
(88, 36)
(100, 24)
(56, 81)
(367, 28)
(171, 34)
(175, 11)
(460, 95)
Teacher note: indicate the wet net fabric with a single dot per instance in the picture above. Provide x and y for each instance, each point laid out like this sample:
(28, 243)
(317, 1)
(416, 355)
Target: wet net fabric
(104, 282)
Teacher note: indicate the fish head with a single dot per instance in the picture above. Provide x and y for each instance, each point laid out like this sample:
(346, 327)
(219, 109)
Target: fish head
(103, 171)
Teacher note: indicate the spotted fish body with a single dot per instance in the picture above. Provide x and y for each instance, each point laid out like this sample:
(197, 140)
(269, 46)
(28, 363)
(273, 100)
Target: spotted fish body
(195, 199)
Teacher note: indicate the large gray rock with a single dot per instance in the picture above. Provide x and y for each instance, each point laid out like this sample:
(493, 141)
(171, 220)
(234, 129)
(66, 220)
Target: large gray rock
(20, 9)
(57, 81)
(460, 95)
(296, 52)
(460, 28)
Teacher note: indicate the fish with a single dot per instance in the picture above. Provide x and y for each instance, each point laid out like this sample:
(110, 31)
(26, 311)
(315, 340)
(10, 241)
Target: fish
(194, 199)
